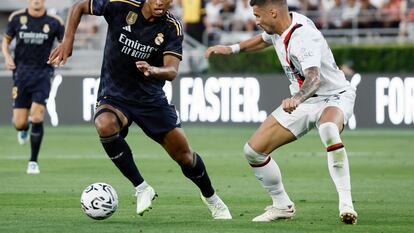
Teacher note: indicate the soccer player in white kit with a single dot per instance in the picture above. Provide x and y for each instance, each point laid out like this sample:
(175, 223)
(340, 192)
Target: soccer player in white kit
(321, 97)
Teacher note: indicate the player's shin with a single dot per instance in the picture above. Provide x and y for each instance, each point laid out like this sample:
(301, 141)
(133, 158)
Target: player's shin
(337, 161)
(36, 137)
(268, 173)
(197, 173)
(119, 152)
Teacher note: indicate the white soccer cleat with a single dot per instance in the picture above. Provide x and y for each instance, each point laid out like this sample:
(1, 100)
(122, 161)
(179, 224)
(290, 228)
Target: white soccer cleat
(23, 137)
(144, 199)
(272, 213)
(347, 214)
(219, 210)
(32, 168)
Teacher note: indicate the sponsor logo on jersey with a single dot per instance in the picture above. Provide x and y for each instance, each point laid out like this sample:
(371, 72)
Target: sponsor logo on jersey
(159, 39)
(46, 28)
(131, 18)
(135, 48)
(33, 37)
(127, 28)
(23, 21)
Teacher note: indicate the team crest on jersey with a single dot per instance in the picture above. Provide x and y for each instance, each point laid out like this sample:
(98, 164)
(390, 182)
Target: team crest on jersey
(46, 28)
(131, 18)
(23, 21)
(159, 39)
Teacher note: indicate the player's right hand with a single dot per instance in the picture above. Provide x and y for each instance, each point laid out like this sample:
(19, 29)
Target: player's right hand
(60, 54)
(218, 49)
(10, 65)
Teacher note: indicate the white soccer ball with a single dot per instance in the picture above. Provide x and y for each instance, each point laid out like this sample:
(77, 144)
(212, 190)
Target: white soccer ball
(99, 201)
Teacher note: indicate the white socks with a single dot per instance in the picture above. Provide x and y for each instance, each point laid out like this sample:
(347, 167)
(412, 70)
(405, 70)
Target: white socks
(268, 173)
(142, 186)
(213, 199)
(337, 161)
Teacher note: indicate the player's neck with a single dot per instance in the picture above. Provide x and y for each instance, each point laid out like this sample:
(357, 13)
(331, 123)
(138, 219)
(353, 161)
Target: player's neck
(36, 13)
(146, 12)
(284, 24)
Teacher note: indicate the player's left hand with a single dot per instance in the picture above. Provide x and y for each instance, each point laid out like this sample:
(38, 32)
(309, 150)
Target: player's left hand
(289, 105)
(145, 68)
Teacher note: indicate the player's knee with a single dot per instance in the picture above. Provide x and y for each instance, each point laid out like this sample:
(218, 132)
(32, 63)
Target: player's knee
(21, 125)
(184, 158)
(254, 157)
(106, 126)
(36, 118)
(329, 133)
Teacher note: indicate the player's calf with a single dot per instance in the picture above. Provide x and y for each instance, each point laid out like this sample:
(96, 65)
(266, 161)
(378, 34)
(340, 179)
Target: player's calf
(338, 169)
(268, 174)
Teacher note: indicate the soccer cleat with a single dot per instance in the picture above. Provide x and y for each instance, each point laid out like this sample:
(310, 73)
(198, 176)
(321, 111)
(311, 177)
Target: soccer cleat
(219, 210)
(32, 168)
(22, 137)
(144, 199)
(273, 213)
(347, 214)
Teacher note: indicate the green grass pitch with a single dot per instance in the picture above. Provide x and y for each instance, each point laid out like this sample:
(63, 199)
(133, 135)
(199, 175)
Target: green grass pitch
(382, 172)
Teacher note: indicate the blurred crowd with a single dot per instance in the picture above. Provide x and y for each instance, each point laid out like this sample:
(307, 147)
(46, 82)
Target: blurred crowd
(205, 20)
(201, 16)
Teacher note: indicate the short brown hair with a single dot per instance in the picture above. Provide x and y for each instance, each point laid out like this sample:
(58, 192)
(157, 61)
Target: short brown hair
(265, 2)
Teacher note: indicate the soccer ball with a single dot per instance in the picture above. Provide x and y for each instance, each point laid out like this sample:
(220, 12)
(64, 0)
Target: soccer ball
(99, 201)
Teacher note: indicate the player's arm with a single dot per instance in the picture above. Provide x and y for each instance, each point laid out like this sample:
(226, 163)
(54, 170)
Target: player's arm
(309, 87)
(167, 72)
(253, 44)
(60, 54)
(10, 65)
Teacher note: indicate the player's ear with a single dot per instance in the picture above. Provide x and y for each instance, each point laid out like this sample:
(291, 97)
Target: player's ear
(273, 12)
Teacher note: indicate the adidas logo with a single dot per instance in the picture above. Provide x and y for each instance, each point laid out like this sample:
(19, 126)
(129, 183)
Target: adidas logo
(127, 28)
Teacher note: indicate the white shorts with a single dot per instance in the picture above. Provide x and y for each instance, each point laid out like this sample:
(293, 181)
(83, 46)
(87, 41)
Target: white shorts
(306, 116)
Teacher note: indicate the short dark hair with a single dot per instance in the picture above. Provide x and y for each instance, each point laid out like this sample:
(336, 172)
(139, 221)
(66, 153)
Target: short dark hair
(265, 2)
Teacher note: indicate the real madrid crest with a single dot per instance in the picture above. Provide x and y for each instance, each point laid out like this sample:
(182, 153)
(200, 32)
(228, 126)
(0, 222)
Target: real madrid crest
(23, 21)
(131, 18)
(159, 39)
(46, 28)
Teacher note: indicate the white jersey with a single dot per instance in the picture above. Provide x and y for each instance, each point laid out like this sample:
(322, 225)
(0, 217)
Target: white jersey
(302, 46)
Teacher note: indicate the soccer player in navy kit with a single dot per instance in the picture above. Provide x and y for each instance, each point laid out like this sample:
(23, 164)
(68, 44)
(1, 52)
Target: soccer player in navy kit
(143, 50)
(35, 32)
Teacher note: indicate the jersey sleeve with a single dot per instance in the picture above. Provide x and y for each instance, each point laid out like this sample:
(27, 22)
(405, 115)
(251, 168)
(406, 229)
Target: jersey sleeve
(98, 7)
(10, 29)
(174, 44)
(267, 38)
(308, 50)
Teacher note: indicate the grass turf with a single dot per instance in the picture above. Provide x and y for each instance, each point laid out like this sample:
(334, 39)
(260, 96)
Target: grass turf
(382, 170)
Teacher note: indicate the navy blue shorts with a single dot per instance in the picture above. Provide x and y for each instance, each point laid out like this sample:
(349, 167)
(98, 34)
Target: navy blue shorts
(155, 119)
(25, 92)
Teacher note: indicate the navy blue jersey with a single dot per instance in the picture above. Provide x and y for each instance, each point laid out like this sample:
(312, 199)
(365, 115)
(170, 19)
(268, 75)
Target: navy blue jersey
(34, 40)
(132, 38)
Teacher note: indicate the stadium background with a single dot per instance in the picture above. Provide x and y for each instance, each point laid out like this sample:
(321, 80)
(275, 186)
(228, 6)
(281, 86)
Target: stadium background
(221, 103)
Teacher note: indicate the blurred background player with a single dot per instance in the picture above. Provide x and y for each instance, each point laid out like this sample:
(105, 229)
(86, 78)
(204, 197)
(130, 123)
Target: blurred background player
(35, 31)
(143, 50)
(321, 97)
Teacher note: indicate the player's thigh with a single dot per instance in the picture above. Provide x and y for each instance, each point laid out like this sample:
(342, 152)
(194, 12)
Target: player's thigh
(332, 114)
(176, 144)
(20, 117)
(338, 109)
(37, 112)
(270, 136)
